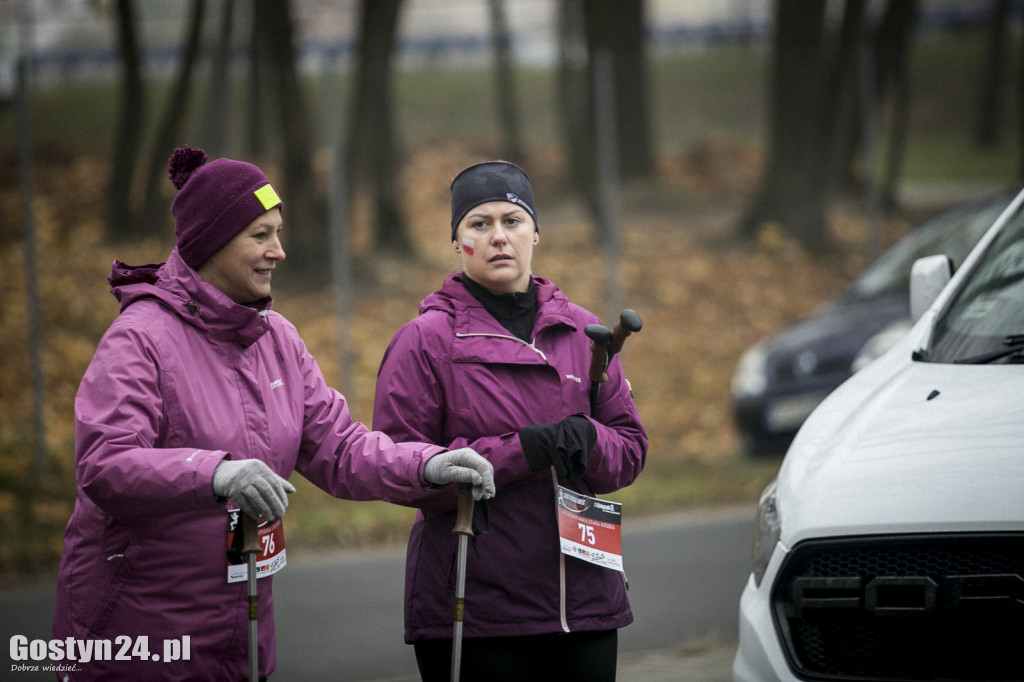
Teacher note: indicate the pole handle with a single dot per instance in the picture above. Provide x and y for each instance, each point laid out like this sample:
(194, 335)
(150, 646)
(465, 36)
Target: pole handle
(601, 337)
(464, 510)
(250, 535)
(629, 323)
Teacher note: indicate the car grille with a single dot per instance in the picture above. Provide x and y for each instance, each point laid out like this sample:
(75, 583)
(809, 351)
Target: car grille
(917, 607)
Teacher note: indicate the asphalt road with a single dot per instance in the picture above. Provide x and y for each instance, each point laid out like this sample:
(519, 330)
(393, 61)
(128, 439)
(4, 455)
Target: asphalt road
(339, 615)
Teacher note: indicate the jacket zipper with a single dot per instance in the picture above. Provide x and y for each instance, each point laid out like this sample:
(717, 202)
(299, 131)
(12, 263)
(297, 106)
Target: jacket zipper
(554, 476)
(529, 345)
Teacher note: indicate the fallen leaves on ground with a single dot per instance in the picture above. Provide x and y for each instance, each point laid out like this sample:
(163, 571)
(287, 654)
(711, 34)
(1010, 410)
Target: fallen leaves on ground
(703, 294)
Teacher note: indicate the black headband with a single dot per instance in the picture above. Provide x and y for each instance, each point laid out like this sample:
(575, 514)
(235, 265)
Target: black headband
(490, 181)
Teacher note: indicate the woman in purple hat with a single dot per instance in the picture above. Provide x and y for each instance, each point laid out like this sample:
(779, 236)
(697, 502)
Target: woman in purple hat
(201, 401)
(497, 360)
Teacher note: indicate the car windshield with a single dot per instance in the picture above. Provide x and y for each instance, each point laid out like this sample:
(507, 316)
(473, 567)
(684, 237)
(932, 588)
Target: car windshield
(953, 233)
(984, 322)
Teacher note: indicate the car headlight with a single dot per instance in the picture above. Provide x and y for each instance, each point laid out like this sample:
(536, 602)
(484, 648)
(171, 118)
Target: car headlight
(767, 530)
(750, 377)
(879, 343)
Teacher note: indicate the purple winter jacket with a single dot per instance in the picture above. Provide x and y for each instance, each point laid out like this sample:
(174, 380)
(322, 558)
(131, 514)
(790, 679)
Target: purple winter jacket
(455, 377)
(182, 379)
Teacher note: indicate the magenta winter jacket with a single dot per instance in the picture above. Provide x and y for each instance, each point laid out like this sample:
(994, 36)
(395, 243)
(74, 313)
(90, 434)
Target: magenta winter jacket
(454, 376)
(182, 379)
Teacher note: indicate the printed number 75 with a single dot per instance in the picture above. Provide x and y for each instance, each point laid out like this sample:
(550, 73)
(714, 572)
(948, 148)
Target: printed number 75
(586, 533)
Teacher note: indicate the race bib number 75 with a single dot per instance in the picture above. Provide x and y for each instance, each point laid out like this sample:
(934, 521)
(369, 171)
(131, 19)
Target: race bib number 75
(590, 528)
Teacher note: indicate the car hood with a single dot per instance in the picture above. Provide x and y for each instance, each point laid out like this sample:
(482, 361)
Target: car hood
(932, 448)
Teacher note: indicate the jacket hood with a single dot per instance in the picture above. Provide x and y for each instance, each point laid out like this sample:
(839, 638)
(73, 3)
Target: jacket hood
(183, 292)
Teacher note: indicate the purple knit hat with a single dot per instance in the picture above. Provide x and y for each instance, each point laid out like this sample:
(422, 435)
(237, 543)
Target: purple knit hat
(215, 201)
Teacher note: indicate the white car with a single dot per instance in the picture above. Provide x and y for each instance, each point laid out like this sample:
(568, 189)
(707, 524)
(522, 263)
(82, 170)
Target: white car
(891, 544)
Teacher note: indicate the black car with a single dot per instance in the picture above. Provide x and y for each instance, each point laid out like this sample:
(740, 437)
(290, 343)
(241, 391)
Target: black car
(781, 379)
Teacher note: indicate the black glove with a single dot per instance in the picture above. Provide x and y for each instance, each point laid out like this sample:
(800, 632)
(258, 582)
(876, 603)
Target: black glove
(565, 446)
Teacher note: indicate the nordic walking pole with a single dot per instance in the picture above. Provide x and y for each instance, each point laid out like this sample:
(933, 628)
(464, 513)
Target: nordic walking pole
(629, 323)
(601, 337)
(464, 529)
(250, 548)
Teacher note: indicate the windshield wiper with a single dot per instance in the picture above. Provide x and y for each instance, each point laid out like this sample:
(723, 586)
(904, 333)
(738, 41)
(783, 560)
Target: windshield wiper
(1013, 343)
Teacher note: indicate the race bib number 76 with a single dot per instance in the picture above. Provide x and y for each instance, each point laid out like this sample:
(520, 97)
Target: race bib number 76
(272, 556)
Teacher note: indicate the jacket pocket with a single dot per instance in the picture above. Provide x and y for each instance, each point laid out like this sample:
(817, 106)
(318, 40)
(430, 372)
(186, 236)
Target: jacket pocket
(119, 569)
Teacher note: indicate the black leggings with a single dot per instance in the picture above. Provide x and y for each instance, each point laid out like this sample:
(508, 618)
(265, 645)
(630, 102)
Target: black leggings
(584, 656)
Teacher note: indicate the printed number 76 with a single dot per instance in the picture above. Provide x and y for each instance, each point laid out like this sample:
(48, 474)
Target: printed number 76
(586, 533)
(268, 544)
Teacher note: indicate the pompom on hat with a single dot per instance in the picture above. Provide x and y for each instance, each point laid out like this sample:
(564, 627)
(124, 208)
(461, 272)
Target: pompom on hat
(215, 201)
(490, 181)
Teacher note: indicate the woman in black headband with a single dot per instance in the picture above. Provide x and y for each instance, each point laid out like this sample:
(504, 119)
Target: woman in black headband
(497, 360)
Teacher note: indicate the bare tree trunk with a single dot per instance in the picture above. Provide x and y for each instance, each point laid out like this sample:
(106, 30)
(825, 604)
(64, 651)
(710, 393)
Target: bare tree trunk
(507, 99)
(892, 47)
(371, 155)
(990, 108)
(572, 97)
(175, 110)
(841, 96)
(619, 28)
(305, 214)
(254, 107)
(791, 192)
(888, 45)
(219, 92)
(121, 219)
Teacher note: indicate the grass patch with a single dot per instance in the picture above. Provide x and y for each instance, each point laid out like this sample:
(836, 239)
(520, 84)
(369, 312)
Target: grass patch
(956, 156)
(317, 520)
(691, 484)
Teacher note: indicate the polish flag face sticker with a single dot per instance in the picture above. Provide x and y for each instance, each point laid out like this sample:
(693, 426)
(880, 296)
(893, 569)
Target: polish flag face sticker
(468, 244)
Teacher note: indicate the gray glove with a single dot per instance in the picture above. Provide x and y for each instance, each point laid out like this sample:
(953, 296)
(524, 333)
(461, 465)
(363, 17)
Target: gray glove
(461, 466)
(254, 486)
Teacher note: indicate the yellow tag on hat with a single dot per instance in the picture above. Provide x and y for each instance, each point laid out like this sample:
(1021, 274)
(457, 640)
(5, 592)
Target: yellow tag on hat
(267, 196)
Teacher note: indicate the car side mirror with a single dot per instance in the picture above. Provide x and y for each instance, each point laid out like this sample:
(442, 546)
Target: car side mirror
(928, 276)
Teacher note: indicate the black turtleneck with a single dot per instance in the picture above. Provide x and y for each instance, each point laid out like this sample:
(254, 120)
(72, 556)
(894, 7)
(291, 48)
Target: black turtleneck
(515, 311)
